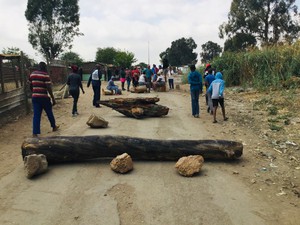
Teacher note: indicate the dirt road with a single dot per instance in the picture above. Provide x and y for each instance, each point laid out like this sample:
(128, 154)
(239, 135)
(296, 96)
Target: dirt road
(153, 193)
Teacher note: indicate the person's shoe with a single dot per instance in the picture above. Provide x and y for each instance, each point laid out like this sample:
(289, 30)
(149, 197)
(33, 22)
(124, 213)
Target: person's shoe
(35, 135)
(55, 128)
(196, 116)
(226, 118)
(97, 106)
(208, 109)
(215, 121)
(73, 114)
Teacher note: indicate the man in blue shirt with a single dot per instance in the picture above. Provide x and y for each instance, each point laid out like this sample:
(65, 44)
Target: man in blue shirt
(195, 81)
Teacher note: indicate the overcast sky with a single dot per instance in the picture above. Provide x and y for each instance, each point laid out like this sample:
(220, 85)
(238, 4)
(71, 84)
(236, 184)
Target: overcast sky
(143, 27)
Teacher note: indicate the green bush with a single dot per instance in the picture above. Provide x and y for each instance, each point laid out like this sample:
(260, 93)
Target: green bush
(269, 67)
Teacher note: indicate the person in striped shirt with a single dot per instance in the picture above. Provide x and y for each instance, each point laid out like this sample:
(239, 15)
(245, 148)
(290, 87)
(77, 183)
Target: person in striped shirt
(40, 83)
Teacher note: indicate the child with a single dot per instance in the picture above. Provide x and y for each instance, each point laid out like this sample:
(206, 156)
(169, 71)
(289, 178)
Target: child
(216, 89)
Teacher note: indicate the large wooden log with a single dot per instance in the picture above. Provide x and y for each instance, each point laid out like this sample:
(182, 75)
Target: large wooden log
(137, 107)
(116, 102)
(79, 148)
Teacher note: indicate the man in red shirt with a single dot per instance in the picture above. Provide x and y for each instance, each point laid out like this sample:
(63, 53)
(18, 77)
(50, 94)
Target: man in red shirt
(41, 86)
(135, 76)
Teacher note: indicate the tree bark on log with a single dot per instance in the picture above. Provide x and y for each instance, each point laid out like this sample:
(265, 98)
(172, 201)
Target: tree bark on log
(79, 148)
(137, 107)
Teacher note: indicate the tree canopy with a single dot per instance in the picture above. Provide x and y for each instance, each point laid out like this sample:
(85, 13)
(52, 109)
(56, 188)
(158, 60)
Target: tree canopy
(116, 57)
(181, 52)
(268, 21)
(209, 51)
(53, 24)
(239, 42)
(72, 58)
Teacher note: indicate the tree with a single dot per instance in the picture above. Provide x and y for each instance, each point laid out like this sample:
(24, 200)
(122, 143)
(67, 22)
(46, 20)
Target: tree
(110, 55)
(106, 55)
(239, 42)
(142, 65)
(181, 52)
(72, 58)
(209, 51)
(125, 59)
(52, 25)
(268, 21)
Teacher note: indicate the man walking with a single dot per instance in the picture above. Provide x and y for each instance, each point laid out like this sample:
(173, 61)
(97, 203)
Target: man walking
(195, 81)
(95, 79)
(74, 82)
(40, 84)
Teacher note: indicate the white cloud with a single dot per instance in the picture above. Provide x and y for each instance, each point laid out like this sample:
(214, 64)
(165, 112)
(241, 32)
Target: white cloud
(126, 25)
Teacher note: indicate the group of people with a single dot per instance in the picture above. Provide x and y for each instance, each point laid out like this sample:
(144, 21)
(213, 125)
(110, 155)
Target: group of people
(43, 98)
(152, 78)
(214, 95)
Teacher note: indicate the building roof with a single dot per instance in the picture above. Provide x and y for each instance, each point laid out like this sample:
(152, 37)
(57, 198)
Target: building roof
(9, 56)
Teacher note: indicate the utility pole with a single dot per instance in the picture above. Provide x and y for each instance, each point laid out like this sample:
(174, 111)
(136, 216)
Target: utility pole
(148, 54)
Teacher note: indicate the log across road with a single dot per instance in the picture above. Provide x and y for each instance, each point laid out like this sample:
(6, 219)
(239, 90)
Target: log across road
(78, 148)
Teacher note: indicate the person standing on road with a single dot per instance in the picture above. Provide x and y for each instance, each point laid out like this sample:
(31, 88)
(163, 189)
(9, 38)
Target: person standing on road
(208, 79)
(95, 79)
(40, 84)
(216, 89)
(171, 78)
(128, 78)
(149, 74)
(74, 82)
(135, 77)
(195, 81)
(123, 78)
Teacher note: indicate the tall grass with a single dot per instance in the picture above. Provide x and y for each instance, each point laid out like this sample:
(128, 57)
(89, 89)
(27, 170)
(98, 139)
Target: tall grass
(262, 68)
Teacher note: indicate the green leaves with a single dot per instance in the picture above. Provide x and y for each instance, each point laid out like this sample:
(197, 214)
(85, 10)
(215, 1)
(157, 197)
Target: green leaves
(110, 55)
(181, 52)
(210, 50)
(267, 21)
(53, 24)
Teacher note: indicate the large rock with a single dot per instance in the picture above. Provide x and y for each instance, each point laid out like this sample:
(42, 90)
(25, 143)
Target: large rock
(96, 122)
(35, 164)
(189, 165)
(122, 163)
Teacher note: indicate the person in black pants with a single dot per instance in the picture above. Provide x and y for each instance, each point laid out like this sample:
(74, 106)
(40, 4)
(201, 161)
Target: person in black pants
(95, 79)
(74, 82)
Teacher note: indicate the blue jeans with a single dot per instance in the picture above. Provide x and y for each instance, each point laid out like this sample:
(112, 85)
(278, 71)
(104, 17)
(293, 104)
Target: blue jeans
(171, 83)
(96, 89)
(113, 88)
(38, 105)
(128, 84)
(195, 102)
(75, 95)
